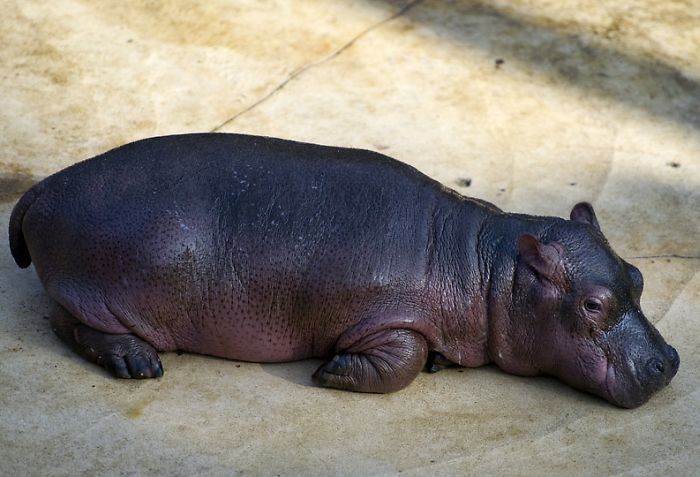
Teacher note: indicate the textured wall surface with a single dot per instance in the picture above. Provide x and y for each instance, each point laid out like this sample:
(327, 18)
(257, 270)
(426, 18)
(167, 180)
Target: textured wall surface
(536, 104)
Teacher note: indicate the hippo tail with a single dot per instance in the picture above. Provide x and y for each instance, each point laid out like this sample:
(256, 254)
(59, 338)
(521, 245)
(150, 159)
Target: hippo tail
(18, 246)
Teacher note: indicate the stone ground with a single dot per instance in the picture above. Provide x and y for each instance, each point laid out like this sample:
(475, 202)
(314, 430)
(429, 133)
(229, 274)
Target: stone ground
(531, 104)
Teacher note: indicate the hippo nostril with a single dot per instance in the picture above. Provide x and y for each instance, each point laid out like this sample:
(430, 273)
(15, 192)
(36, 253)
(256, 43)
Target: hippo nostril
(675, 361)
(655, 367)
(673, 357)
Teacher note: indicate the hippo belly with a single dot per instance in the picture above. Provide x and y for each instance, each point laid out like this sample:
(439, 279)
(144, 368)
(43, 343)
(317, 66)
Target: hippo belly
(229, 245)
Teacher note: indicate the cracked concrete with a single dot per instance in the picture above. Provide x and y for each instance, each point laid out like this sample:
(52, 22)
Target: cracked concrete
(672, 255)
(302, 69)
(530, 104)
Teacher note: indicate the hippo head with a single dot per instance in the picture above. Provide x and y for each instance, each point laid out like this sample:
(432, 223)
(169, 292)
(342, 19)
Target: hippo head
(586, 326)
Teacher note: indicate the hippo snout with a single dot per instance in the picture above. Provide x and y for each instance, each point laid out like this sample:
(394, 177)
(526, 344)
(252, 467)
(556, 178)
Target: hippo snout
(663, 367)
(674, 359)
(641, 363)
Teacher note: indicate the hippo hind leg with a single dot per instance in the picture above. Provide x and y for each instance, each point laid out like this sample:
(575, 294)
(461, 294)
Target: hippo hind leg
(383, 362)
(123, 355)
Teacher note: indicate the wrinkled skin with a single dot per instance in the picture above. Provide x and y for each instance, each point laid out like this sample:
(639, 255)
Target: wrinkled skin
(266, 250)
(600, 341)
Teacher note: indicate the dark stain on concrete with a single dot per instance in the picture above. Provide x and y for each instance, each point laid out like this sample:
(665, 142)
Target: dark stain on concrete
(14, 181)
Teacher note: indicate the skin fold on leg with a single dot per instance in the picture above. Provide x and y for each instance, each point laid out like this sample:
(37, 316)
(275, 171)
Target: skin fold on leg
(380, 363)
(123, 355)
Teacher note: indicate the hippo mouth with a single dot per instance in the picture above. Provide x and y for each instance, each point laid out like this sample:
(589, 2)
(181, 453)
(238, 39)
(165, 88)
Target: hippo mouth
(619, 396)
(622, 389)
(609, 379)
(610, 388)
(602, 378)
(628, 385)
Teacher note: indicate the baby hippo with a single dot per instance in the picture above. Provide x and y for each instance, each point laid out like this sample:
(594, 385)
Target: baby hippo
(266, 250)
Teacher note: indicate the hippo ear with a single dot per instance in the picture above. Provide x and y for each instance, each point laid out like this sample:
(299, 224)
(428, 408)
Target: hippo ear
(583, 212)
(543, 258)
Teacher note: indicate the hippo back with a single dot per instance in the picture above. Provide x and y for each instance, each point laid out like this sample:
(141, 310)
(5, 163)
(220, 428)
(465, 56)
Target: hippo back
(232, 245)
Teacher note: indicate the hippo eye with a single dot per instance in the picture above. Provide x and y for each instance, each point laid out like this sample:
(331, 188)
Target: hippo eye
(592, 305)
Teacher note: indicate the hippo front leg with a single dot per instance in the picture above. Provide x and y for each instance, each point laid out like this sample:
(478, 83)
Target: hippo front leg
(437, 362)
(382, 362)
(123, 355)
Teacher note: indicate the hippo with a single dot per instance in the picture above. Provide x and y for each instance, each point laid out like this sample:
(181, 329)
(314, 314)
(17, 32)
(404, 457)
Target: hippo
(268, 250)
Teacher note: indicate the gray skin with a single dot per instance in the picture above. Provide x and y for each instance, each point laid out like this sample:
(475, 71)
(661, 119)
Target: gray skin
(267, 250)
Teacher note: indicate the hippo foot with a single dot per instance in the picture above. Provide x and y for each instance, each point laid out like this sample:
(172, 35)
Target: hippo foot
(379, 363)
(125, 355)
(437, 362)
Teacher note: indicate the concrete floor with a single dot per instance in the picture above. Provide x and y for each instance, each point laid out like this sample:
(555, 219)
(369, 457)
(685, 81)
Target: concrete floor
(539, 104)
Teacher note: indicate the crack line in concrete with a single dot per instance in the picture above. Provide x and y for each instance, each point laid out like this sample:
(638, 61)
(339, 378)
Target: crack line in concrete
(670, 255)
(680, 293)
(302, 69)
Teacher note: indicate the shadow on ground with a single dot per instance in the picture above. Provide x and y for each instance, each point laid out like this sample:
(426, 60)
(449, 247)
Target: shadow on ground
(638, 80)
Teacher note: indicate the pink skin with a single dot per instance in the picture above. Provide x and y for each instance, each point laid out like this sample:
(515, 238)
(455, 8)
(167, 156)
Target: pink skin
(590, 334)
(577, 356)
(267, 250)
(590, 374)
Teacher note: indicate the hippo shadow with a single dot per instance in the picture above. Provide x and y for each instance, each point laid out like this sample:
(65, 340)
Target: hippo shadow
(299, 373)
(296, 372)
